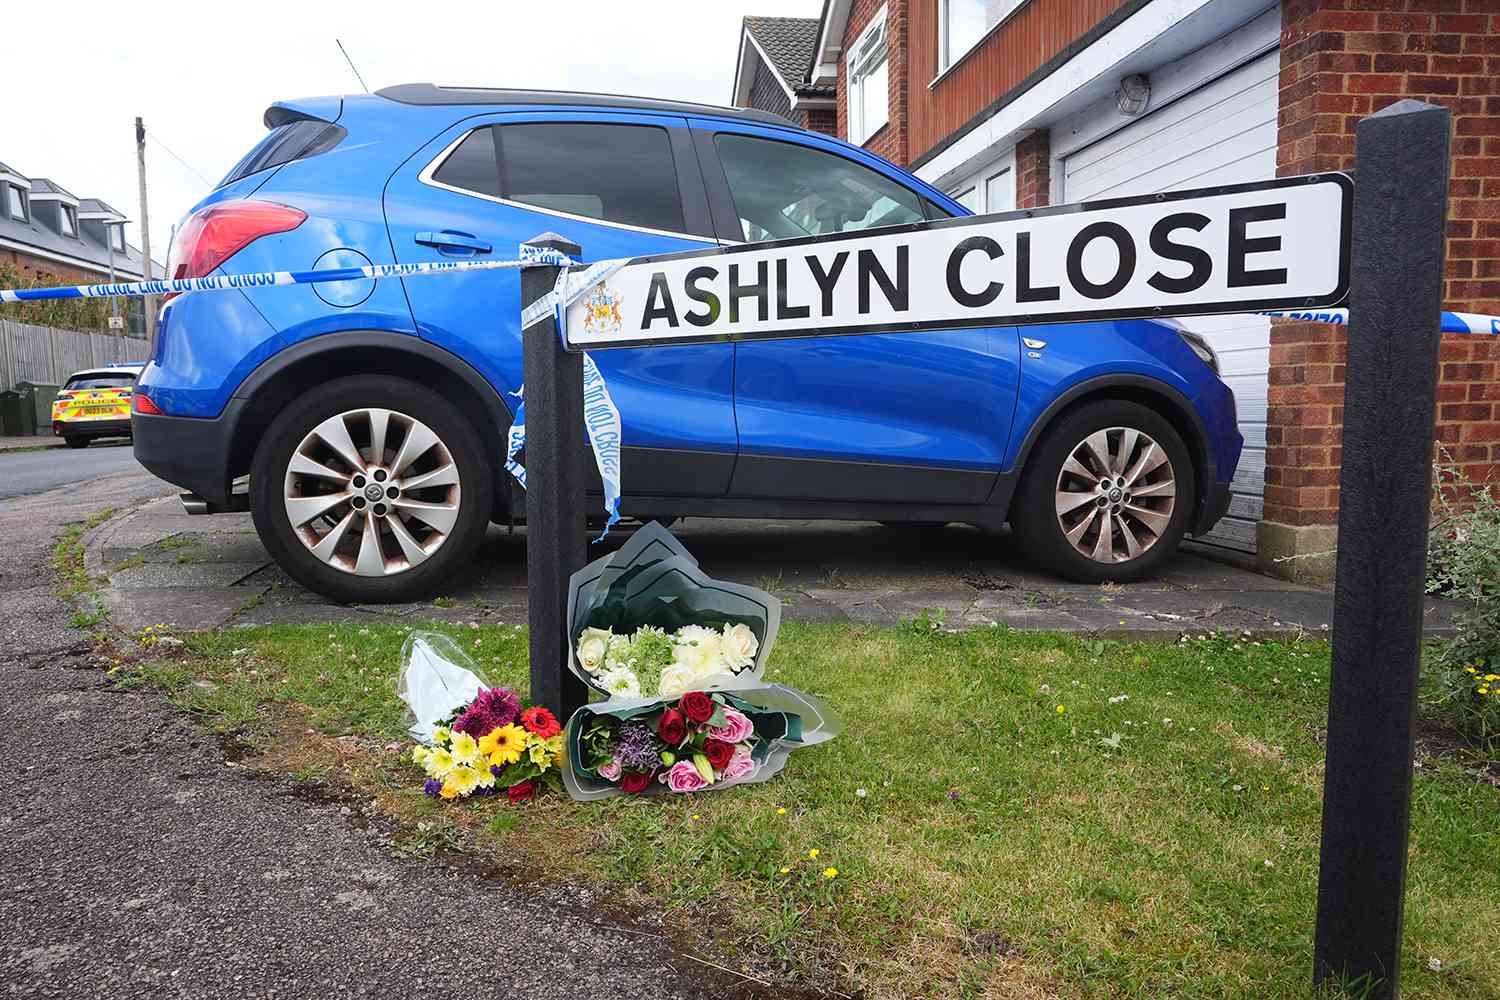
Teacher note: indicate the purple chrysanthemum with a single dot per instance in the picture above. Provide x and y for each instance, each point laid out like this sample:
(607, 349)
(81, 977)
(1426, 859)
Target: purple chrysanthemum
(636, 746)
(495, 707)
(432, 787)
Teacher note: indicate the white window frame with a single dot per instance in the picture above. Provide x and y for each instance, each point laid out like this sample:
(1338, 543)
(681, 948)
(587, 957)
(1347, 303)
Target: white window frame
(117, 237)
(67, 222)
(15, 203)
(979, 180)
(947, 58)
(866, 55)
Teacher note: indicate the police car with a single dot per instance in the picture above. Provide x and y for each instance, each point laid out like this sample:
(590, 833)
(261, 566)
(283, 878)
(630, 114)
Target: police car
(95, 403)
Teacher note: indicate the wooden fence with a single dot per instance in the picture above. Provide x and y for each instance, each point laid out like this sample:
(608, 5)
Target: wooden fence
(47, 355)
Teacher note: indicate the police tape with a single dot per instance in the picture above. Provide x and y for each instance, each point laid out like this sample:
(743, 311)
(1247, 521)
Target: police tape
(529, 257)
(601, 418)
(1452, 322)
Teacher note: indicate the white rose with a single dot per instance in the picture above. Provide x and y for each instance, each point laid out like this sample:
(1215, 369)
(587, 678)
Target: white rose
(738, 646)
(621, 682)
(593, 648)
(676, 681)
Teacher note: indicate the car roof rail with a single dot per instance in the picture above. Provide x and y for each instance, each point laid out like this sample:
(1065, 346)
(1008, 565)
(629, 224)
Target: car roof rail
(429, 94)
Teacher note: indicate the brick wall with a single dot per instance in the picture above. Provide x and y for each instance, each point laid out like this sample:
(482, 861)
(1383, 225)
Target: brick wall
(50, 271)
(825, 120)
(891, 141)
(1342, 60)
(1034, 170)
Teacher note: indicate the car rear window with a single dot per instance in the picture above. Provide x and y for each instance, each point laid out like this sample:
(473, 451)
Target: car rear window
(294, 140)
(101, 382)
(615, 173)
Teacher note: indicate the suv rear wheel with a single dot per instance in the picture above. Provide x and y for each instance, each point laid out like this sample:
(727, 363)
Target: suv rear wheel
(370, 489)
(1107, 493)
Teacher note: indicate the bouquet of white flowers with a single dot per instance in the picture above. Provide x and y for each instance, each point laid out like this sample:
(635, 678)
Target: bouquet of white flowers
(648, 623)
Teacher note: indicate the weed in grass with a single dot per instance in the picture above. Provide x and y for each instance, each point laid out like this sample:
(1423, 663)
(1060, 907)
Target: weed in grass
(88, 619)
(444, 602)
(427, 839)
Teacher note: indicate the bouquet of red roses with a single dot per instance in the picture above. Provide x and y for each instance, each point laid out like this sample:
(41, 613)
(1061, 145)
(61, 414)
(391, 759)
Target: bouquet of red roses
(702, 741)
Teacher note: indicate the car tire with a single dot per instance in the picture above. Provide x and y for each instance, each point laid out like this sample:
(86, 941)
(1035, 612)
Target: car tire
(74, 441)
(1106, 494)
(371, 528)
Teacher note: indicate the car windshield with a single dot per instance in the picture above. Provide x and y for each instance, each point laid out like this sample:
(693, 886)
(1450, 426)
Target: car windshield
(124, 381)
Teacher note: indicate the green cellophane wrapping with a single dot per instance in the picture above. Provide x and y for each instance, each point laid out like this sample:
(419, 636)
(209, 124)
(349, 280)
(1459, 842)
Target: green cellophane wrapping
(653, 580)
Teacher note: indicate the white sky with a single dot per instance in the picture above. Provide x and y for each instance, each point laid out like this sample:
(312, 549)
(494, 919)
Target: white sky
(202, 73)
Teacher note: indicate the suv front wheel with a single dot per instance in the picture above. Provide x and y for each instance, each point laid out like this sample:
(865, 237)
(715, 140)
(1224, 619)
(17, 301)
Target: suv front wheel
(370, 489)
(1106, 494)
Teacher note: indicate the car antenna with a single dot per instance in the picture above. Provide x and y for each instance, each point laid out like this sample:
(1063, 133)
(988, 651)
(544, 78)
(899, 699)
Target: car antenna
(351, 65)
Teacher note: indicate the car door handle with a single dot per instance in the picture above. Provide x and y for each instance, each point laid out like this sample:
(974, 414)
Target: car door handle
(454, 240)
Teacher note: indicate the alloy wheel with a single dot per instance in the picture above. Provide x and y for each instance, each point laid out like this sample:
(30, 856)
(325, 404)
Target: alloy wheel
(372, 492)
(1115, 494)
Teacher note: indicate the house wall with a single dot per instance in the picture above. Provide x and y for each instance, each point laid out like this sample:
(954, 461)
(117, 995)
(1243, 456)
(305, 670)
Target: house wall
(891, 141)
(61, 273)
(1338, 65)
(1038, 32)
(766, 93)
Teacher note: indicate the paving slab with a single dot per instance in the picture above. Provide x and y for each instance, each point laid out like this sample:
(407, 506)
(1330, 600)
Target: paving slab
(162, 565)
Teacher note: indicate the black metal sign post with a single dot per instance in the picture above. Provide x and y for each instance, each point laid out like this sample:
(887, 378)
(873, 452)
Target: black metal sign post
(1400, 211)
(556, 530)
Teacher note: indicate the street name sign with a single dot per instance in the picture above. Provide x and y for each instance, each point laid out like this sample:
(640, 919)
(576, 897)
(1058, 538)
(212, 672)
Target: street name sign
(1281, 244)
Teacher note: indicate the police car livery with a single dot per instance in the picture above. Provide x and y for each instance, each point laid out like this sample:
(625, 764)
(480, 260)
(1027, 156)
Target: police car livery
(95, 403)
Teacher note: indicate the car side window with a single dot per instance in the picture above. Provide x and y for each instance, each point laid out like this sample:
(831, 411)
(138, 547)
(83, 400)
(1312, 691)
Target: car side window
(472, 166)
(617, 173)
(783, 189)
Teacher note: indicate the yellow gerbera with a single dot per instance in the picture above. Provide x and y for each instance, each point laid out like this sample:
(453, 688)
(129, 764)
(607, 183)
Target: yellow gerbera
(510, 743)
(487, 742)
(465, 749)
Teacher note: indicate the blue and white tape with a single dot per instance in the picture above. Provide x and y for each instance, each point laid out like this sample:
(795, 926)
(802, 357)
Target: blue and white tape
(601, 420)
(529, 257)
(1453, 322)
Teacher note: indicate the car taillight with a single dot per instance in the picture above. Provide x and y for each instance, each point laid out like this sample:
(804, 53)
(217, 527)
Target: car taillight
(210, 236)
(142, 404)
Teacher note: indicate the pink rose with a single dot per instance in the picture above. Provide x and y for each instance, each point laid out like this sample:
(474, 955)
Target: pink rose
(741, 765)
(736, 728)
(609, 771)
(684, 777)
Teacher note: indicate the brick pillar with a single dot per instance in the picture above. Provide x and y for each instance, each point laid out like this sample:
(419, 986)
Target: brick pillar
(1337, 66)
(825, 120)
(1034, 170)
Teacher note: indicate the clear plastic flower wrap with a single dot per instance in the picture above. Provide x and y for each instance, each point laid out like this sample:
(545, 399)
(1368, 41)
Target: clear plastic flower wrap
(646, 621)
(437, 678)
(651, 746)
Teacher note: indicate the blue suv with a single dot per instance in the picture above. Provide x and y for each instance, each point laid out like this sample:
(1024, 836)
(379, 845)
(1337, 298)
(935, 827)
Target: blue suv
(371, 416)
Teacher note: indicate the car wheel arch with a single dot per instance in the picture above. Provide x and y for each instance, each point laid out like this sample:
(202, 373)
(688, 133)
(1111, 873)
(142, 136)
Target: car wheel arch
(368, 352)
(1165, 400)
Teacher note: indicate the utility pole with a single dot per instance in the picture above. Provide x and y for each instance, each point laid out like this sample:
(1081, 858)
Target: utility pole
(140, 168)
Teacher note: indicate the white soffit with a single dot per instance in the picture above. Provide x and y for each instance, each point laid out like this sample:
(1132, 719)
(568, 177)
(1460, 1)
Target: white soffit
(1160, 32)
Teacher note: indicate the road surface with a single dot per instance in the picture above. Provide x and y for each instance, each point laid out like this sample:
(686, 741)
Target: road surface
(26, 472)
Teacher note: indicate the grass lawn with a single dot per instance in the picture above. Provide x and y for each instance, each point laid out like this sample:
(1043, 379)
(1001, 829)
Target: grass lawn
(1010, 814)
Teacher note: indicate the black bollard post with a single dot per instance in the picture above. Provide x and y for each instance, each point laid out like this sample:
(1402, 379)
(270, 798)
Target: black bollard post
(556, 529)
(1395, 299)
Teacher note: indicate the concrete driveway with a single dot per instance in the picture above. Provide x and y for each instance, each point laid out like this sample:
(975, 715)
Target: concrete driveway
(197, 572)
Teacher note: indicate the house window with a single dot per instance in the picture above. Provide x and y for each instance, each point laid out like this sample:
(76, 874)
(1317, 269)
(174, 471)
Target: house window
(16, 202)
(117, 238)
(869, 82)
(67, 220)
(963, 23)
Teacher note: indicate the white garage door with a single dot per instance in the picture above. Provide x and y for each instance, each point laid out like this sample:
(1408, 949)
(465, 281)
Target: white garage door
(1221, 133)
